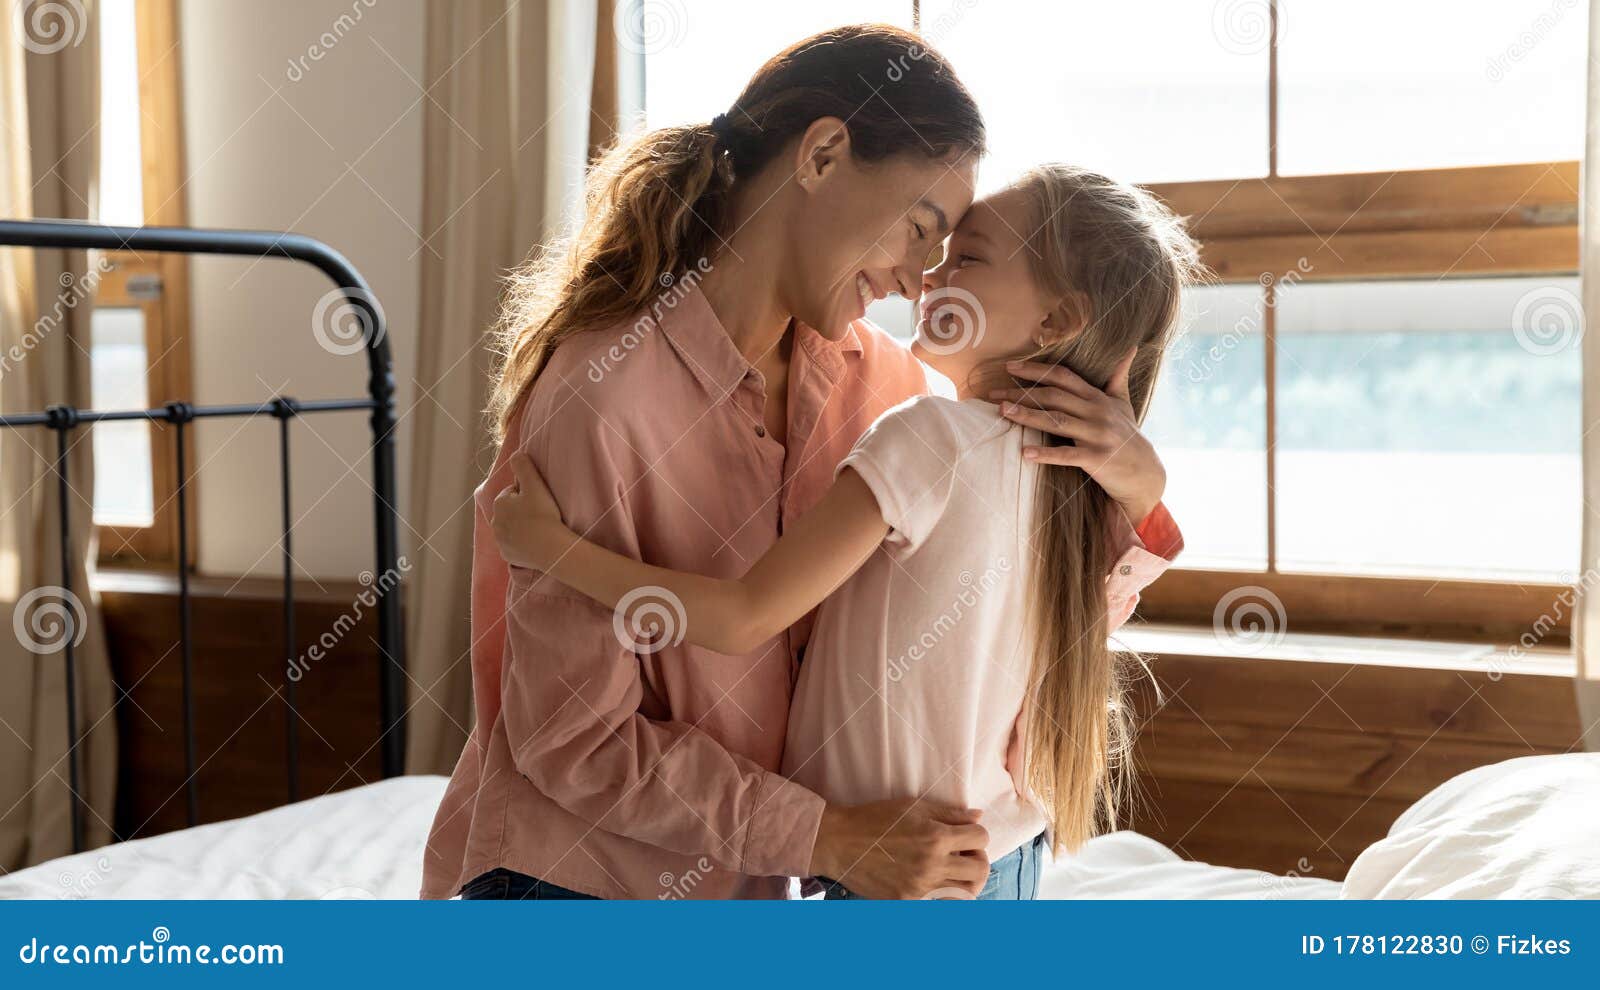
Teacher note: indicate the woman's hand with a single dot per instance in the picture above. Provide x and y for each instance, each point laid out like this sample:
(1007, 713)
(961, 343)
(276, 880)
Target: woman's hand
(526, 520)
(903, 849)
(1107, 443)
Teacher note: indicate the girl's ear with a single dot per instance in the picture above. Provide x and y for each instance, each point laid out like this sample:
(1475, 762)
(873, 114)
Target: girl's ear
(1063, 321)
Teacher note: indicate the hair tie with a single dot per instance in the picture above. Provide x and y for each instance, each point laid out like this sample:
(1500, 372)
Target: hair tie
(721, 129)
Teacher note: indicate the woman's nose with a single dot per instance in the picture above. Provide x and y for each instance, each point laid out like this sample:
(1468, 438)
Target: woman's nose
(910, 284)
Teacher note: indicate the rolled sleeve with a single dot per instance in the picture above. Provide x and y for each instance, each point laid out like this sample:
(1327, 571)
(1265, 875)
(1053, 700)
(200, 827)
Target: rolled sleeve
(1140, 556)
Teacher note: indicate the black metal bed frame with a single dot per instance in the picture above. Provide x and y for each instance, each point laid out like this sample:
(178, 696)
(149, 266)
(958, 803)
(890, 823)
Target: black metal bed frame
(63, 419)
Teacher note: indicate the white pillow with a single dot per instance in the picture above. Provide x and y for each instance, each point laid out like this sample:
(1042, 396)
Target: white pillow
(1525, 828)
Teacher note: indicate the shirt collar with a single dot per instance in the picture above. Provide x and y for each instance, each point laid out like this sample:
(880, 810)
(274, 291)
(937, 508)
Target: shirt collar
(692, 327)
(694, 331)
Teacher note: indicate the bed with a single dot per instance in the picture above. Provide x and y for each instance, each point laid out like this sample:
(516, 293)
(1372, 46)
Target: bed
(1526, 828)
(367, 843)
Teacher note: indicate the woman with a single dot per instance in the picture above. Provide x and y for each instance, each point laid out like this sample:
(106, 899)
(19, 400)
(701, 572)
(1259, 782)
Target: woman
(688, 377)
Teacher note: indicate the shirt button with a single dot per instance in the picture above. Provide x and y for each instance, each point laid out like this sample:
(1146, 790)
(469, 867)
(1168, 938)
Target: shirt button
(1125, 570)
(761, 431)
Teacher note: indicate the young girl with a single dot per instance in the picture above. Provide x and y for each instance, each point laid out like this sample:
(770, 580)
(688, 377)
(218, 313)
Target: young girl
(968, 660)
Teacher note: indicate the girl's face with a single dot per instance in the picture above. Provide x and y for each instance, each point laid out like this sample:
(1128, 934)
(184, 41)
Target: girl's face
(863, 231)
(980, 304)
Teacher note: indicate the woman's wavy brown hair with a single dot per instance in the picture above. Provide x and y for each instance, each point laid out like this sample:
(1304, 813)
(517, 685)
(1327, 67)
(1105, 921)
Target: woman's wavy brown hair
(663, 202)
(1120, 259)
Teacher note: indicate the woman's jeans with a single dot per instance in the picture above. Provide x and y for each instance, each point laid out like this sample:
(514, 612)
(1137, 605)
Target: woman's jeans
(1013, 877)
(508, 885)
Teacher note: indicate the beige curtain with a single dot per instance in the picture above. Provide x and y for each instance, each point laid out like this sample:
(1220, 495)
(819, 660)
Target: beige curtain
(1587, 633)
(49, 102)
(519, 96)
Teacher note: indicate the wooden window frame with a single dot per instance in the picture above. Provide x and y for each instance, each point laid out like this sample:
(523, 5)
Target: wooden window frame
(1501, 220)
(166, 314)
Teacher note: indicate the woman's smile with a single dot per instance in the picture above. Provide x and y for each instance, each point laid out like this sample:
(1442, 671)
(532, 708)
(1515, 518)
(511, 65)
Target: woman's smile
(866, 294)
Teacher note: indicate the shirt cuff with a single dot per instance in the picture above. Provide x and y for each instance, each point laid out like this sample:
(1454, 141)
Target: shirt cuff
(1160, 534)
(780, 838)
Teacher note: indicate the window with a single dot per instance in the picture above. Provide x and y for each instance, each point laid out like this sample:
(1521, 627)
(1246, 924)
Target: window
(139, 353)
(1373, 412)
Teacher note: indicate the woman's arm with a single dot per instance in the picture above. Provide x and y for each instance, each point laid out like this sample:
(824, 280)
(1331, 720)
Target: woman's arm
(733, 616)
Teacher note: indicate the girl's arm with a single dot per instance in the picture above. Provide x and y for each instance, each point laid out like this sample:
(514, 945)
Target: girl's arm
(812, 558)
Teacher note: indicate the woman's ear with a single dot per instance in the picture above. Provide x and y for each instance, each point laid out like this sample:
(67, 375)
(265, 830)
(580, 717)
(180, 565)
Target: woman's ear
(1063, 321)
(822, 147)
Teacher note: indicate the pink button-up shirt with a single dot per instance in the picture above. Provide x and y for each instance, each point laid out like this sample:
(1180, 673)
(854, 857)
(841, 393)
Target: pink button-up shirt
(651, 772)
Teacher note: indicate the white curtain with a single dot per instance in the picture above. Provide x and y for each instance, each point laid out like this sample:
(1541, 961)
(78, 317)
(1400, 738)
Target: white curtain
(1587, 631)
(49, 106)
(518, 100)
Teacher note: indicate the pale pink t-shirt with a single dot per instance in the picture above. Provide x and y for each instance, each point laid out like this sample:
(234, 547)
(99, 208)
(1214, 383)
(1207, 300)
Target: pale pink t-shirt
(916, 674)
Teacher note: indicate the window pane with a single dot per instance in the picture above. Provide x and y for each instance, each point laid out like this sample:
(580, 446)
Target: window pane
(1371, 85)
(1430, 428)
(1208, 420)
(123, 490)
(121, 178)
(1146, 91)
(699, 54)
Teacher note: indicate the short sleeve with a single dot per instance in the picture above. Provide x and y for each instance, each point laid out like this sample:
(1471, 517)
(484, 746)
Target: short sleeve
(908, 459)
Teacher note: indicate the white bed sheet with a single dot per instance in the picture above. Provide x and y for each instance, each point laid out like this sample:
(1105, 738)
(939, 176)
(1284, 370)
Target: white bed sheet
(1127, 865)
(367, 843)
(361, 843)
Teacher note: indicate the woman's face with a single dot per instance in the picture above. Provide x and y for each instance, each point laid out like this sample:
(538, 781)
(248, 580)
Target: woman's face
(863, 231)
(980, 303)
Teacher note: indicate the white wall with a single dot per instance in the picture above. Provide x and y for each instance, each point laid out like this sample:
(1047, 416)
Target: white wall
(301, 115)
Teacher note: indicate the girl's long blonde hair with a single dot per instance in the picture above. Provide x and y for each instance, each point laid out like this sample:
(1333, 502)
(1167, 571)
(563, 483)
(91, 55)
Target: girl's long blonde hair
(662, 204)
(1116, 256)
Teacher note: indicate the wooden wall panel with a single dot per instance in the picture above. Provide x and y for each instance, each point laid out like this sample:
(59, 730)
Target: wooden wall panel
(1289, 765)
(240, 712)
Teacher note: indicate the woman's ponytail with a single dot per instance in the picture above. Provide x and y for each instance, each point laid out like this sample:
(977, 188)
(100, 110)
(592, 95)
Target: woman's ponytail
(653, 207)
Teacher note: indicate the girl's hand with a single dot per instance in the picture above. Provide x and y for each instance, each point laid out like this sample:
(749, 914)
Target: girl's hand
(1101, 425)
(526, 520)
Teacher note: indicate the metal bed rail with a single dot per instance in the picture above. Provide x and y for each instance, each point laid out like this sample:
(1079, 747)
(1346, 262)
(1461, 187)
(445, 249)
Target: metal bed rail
(64, 419)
